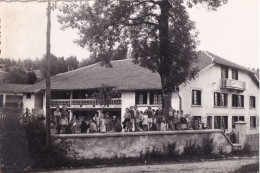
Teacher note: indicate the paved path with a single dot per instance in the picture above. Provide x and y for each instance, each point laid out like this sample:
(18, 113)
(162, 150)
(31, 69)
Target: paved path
(194, 167)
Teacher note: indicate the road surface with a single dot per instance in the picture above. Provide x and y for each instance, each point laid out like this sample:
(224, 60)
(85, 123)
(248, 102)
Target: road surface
(188, 167)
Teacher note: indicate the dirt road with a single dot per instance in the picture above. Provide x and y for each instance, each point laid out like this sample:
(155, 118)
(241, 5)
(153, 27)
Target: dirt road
(194, 167)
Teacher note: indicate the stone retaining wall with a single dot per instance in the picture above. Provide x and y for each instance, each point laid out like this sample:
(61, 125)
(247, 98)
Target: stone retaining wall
(253, 141)
(109, 145)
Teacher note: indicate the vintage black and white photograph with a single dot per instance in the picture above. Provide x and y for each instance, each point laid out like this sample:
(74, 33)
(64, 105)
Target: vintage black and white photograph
(129, 86)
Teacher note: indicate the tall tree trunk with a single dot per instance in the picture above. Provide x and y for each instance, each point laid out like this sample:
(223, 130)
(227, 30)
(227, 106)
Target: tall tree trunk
(165, 60)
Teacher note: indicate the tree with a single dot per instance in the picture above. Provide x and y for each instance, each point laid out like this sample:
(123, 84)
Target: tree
(104, 95)
(16, 76)
(72, 63)
(120, 53)
(58, 65)
(19, 76)
(31, 77)
(160, 33)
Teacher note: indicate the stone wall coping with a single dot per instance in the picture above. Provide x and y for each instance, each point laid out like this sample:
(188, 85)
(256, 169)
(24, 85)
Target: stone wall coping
(149, 133)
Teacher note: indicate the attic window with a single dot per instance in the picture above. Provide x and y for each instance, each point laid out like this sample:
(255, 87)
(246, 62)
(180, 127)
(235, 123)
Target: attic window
(224, 72)
(235, 74)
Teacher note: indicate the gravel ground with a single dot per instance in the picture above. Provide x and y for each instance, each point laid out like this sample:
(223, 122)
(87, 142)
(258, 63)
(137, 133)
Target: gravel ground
(214, 166)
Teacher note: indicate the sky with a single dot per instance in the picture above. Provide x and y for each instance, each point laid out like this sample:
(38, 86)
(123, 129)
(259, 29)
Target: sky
(231, 32)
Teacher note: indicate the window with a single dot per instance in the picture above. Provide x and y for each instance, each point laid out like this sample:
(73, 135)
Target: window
(13, 101)
(209, 122)
(220, 99)
(196, 97)
(237, 100)
(221, 122)
(217, 122)
(237, 118)
(28, 95)
(224, 72)
(197, 118)
(252, 102)
(156, 97)
(252, 122)
(235, 74)
(141, 97)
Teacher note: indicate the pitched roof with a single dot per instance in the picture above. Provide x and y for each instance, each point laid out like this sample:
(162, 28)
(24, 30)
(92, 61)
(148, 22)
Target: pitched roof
(124, 75)
(222, 61)
(13, 88)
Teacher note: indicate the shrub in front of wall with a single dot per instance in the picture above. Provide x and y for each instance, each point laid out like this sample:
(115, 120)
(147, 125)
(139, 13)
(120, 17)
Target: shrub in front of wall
(207, 146)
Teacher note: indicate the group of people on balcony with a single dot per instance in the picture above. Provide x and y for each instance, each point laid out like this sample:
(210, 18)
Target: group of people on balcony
(134, 120)
(153, 120)
(102, 123)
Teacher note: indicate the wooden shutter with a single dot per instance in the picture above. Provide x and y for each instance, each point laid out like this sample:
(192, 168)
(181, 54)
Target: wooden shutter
(199, 97)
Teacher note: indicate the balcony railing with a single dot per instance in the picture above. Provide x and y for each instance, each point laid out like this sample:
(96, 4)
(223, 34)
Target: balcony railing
(81, 102)
(233, 84)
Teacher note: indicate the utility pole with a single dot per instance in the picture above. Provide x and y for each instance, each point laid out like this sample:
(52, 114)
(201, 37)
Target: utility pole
(48, 82)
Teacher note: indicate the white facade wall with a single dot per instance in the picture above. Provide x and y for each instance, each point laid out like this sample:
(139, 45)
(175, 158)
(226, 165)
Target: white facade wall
(209, 82)
(29, 102)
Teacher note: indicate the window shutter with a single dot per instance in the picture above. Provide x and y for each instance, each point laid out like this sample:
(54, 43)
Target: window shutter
(215, 99)
(199, 97)
(193, 97)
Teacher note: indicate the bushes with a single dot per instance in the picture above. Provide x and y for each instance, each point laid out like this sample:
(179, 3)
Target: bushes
(246, 150)
(13, 144)
(196, 151)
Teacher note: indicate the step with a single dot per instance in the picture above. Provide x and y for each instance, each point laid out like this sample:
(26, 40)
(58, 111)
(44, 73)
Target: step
(237, 146)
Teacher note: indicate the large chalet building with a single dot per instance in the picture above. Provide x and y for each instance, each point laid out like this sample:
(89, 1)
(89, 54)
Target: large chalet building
(221, 94)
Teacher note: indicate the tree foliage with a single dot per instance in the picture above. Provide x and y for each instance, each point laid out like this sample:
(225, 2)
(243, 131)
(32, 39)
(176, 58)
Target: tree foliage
(120, 53)
(105, 94)
(59, 65)
(19, 76)
(160, 34)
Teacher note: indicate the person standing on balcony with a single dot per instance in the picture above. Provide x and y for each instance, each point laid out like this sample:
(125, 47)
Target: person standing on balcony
(149, 114)
(74, 125)
(107, 122)
(136, 117)
(57, 116)
(64, 121)
(175, 120)
(132, 118)
(145, 121)
(158, 115)
(96, 120)
(126, 123)
(114, 121)
(171, 119)
(92, 127)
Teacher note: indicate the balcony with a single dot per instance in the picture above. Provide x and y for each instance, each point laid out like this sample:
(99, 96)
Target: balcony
(233, 84)
(83, 103)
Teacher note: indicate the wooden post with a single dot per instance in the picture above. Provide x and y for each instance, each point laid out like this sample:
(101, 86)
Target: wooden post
(48, 82)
